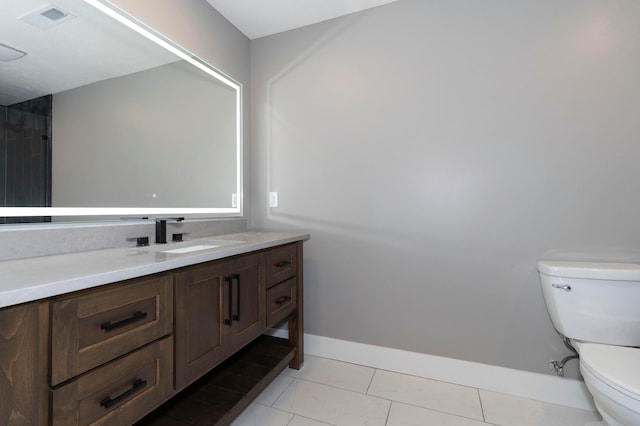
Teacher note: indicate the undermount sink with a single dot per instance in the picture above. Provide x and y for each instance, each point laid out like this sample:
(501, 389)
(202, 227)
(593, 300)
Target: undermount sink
(200, 245)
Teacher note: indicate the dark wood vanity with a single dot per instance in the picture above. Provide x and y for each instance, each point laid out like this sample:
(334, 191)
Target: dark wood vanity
(182, 347)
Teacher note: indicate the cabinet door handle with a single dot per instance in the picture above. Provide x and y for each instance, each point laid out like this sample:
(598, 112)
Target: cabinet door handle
(229, 281)
(283, 263)
(108, 402)
(237, 315)
(109, 326)
(282, 300)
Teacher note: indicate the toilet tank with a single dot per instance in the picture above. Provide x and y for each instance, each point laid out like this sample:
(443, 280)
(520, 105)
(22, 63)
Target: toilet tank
(593, 302)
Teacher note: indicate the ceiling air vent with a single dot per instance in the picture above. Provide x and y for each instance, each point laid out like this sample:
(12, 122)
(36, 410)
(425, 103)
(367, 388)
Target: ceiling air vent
(54, 14)
(47, 17)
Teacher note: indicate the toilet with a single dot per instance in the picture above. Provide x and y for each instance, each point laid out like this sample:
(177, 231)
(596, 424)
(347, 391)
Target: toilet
(597, 307)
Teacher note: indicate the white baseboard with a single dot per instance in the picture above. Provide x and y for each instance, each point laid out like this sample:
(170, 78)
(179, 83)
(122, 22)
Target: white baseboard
(541, 387)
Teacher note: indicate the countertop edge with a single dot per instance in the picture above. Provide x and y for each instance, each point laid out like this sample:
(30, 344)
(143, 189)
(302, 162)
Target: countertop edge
(43, 289)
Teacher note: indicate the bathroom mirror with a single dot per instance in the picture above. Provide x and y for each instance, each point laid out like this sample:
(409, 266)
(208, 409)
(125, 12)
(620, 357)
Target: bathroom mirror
(101, 115)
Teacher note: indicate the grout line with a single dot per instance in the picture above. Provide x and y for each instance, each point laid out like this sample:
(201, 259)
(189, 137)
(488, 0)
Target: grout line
(417, 376)
(435, 410)
(302, 379)
(283, 391)
(484, 418)
(386, 421)
(291, 419)
(375, 371)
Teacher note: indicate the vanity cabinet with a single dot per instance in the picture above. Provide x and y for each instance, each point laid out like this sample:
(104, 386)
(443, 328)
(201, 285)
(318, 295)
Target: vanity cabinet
(186, 346)
(219, 309)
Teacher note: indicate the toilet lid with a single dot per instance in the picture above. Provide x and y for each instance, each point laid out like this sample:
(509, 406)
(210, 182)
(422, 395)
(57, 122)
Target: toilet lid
(617, 366)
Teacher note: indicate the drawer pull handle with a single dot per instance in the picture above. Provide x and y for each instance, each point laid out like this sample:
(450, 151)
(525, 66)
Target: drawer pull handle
(283, 263)
(236, 277)
(108, 402)
(137, 316)
(229, 281)
(283, 300)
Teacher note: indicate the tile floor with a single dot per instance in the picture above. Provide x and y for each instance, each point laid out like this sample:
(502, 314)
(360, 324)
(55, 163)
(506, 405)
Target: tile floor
(328, 392)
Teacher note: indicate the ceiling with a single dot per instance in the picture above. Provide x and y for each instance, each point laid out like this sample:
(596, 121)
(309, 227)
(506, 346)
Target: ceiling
(259, 18)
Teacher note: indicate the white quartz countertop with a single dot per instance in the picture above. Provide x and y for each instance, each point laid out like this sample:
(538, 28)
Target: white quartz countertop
(30, 279)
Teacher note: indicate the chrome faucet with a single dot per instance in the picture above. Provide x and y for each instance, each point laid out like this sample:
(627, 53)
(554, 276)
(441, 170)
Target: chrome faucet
(161, 228)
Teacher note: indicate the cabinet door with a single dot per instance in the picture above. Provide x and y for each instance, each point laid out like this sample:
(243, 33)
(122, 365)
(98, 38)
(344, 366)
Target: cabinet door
(247, 299)
(199, 329)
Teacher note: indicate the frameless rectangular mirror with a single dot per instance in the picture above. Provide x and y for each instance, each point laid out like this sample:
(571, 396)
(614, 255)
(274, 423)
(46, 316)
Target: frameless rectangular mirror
(102, 115)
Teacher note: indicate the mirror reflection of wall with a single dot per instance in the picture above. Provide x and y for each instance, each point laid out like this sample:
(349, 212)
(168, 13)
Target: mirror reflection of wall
(158, 137)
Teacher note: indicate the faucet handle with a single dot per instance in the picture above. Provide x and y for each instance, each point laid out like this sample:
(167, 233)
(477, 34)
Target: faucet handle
(140, 241)
(176, 238)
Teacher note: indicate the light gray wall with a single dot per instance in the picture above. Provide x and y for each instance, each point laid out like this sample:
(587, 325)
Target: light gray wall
(435, 149)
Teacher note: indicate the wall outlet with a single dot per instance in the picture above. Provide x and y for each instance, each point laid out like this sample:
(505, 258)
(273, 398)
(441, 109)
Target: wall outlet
(234, 200)
(273, 199)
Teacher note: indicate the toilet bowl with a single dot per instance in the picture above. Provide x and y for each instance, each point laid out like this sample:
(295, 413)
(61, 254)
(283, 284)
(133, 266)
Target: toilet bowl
(597, 307)
(612, 375)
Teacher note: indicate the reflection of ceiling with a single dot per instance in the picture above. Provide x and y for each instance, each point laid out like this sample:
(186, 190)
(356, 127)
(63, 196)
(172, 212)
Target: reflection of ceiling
(259, 18)
(91, 47)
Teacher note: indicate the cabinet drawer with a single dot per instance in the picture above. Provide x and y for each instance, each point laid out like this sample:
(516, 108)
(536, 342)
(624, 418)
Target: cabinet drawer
(95, 327)
(281, 301)
(120, 392)
(282, 263)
